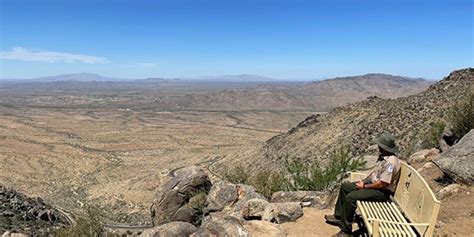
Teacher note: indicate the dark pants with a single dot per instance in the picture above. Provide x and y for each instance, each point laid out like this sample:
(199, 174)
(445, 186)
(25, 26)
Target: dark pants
(346, 202)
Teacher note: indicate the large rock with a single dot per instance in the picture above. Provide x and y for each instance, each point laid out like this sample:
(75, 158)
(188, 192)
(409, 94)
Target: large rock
(282, 212)
(222, 226)
(172, 229)
(423, 156)
(316, 199)
(176, 192)
(230, 198)
(458, 160)
(222, 194)
(254, 208)
(264, 228)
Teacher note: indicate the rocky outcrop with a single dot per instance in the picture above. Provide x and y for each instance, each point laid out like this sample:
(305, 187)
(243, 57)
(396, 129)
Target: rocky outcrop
(423, 156)
(171, 229)
(222, 226)
(20, 213)
(458, 160)
(170, 203)
(230, 198)
(264, 228)
(254, 208)
(282, 212)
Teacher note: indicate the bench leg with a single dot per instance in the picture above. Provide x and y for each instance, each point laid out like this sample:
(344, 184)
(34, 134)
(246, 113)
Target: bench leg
(375, 229)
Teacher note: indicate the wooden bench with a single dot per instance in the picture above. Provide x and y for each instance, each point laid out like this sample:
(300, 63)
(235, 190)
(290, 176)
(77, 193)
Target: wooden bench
(412, 212)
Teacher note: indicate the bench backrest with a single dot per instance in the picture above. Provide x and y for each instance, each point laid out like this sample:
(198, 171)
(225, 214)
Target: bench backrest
(416, 200)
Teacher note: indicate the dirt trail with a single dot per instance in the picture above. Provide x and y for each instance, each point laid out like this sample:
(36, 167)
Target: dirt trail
(311, 224)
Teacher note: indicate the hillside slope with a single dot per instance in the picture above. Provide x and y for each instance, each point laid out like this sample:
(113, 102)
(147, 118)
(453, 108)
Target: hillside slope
(358, 124)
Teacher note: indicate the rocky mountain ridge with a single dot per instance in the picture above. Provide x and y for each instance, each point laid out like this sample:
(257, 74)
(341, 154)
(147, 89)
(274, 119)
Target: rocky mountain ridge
(357, 124)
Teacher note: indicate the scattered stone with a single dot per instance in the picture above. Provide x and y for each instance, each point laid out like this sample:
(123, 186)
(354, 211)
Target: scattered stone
(448, 191)
(458, 160)
(317, 199)
(282, 212)
(171, 229)
(176, 193)
(254, 208)
(422, 156)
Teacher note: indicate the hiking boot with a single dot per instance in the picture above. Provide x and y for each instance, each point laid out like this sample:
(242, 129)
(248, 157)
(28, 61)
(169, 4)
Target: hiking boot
(342, 234)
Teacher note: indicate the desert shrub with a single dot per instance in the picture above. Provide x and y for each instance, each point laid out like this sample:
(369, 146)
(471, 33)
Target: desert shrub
(265, 182)
(432, 136)
(461, 116)
(88, 224)
(296, 174)
(314, 176)
(237, 174)
(198, 203)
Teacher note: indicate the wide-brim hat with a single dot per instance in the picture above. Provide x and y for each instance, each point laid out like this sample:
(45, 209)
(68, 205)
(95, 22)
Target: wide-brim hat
(387, 142)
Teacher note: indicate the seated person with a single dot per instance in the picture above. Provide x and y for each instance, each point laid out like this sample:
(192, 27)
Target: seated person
(377, 186)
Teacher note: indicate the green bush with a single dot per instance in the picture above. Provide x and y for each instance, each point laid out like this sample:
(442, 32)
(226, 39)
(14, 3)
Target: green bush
(297, 175)
(89, 224)
(461, 116)
(265, 182)
(431, 138)
(314, 177)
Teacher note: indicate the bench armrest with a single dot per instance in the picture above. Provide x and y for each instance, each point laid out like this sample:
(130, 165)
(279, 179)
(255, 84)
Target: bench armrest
(356, 176)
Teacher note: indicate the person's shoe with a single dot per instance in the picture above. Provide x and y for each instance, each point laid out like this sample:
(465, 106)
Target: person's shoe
(341, 234)
(332, 220)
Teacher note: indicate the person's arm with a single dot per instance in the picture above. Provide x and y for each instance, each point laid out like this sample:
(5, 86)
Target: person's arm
(376, 185)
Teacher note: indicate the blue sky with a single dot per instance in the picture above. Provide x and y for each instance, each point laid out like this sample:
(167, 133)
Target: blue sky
(282, 39)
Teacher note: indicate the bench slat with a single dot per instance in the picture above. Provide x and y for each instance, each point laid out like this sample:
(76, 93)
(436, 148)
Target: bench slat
(393, 211)
(401, 218)
(393, 227)
(374, 213)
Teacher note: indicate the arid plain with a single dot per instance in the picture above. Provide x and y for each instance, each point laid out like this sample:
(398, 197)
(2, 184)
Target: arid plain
(116, 158)
(112, 144)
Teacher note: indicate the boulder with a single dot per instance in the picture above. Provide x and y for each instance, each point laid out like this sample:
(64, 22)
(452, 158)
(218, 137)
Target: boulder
(171, 229)
(447, 139)
(254, 208)
(458, 160)
(282, 212)
(448, 191)
(176, 193)
(264, 228)
(228, 197)
(222, 194)
(222, 226)
(423, 156)
(318, 199)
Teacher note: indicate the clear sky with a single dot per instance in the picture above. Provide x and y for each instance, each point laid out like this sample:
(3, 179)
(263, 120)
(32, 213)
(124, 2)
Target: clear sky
(283, 39)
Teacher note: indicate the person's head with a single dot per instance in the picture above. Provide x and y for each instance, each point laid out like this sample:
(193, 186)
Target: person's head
(386, 143)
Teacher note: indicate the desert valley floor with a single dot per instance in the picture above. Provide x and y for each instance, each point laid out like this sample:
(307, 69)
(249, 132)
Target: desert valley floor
(117, 158)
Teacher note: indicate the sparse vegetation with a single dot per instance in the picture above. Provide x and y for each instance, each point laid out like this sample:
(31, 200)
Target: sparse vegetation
(301, 175)
(266, 181)
(89, 224)
(431, 138)
(314, 176)
(461, 116)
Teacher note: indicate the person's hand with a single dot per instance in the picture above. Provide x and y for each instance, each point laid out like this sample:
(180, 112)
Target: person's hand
(360, 185)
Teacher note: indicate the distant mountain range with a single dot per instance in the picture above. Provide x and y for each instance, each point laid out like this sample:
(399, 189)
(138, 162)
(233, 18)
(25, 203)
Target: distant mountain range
(231, 92)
